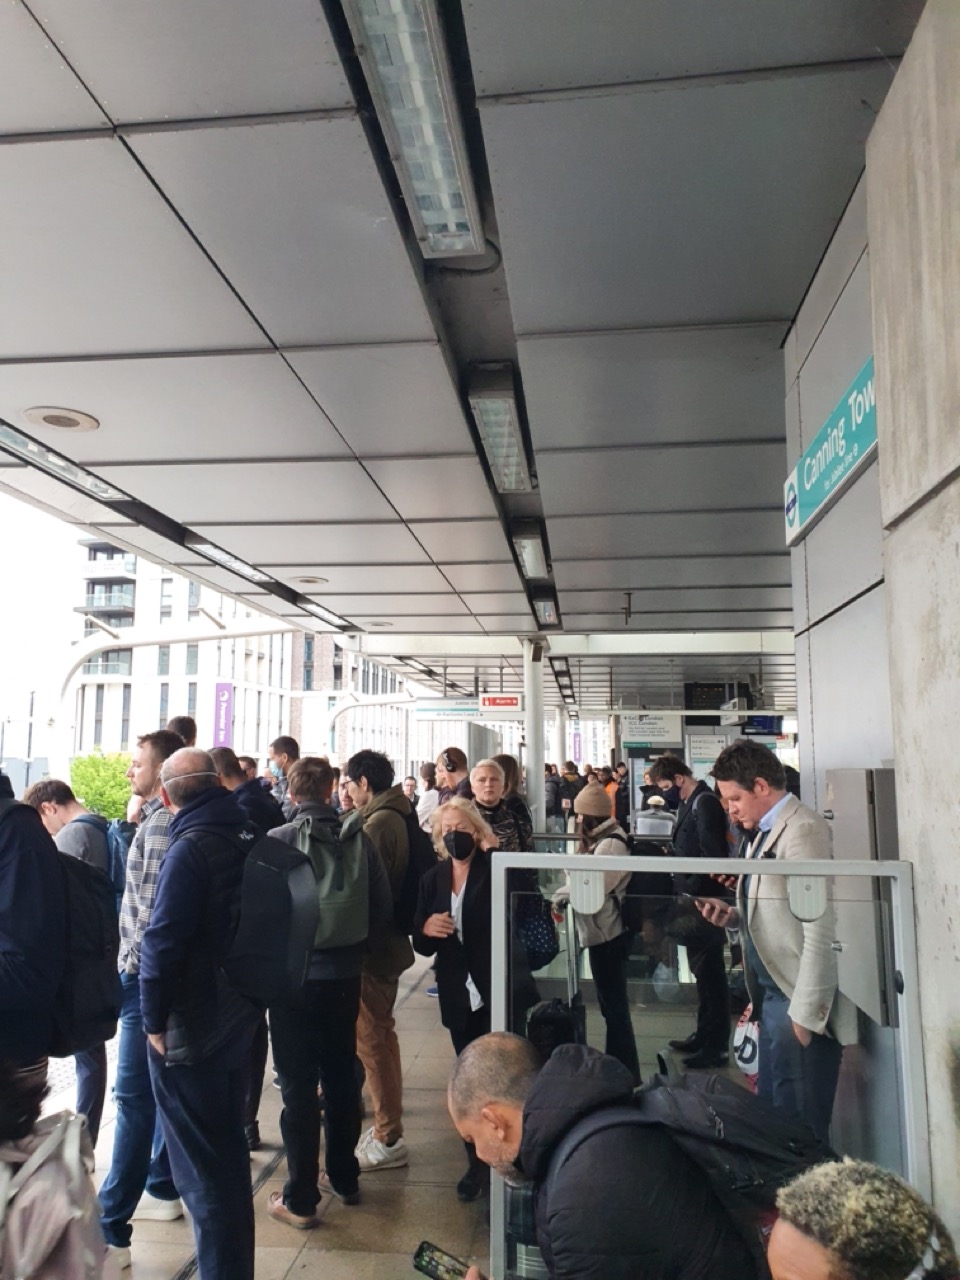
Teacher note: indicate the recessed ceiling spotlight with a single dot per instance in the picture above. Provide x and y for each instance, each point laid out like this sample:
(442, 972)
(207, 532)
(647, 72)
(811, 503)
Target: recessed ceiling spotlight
(380, 624)
(313, 582)
(45, 415)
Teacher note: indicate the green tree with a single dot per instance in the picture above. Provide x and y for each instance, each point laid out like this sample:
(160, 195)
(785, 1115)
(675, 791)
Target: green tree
(99, 781)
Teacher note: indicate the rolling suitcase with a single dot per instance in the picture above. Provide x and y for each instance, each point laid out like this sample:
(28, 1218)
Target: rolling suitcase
(555, 1022)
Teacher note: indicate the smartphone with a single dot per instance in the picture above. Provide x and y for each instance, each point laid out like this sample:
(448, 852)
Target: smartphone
(433, 1262)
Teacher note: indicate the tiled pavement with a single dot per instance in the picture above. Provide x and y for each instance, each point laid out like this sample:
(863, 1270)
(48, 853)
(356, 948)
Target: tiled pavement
(374, 1240)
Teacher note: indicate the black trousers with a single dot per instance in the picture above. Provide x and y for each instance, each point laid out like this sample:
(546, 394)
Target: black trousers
(708, 966)
(318, 1039)
(256, 1066)
(474, 1025)
(608, 964)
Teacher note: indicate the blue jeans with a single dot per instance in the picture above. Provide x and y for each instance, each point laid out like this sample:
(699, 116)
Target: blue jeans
(800, 1082)
(139, 1160)
(201, 1111)
(91, 1068)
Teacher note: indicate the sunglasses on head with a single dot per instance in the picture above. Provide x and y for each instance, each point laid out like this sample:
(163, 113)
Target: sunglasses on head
(447, 762)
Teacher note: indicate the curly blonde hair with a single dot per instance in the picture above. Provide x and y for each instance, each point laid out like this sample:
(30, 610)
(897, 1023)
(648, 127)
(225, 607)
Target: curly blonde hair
(481, 829)
(876, 1227)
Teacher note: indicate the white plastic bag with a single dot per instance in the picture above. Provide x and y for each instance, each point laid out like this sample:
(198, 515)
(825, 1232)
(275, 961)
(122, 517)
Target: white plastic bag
(666, 984)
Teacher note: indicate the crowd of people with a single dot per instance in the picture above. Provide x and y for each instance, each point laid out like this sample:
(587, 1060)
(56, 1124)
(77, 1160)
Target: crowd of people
(193, 1050)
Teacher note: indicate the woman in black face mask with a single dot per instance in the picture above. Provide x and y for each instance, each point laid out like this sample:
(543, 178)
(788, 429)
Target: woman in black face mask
(452, 922)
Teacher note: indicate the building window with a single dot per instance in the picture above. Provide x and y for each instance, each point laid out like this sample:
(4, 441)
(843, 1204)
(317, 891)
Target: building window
(166, 598)
(164, 703)
(192, 698)
(98, 717)
(259, 717)
(193, 656)
(125, 720)
(308, 677)
(112, 662)
(337, 667)
(193, 600)
(163, 660)
(308, 648)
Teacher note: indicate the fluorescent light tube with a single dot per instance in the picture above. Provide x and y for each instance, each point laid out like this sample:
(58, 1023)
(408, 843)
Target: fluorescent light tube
(319, 611)
(228, 561)
(401, 49)
(55, 464)
(494, 404)
(546, 611)
(528, 543)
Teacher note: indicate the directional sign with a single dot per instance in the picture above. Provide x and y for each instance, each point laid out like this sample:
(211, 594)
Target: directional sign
(447, 709)
(653, 728)
(501, 706)
(839, 451)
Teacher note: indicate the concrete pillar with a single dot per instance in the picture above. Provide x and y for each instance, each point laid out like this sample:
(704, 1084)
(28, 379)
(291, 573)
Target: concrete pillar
(533, 702)
(913, 206)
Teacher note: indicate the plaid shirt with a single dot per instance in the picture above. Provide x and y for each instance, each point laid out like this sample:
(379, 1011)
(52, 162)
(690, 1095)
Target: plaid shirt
(143, 866)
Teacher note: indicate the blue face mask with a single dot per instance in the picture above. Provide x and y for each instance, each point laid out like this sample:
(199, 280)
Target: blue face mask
(275, 769)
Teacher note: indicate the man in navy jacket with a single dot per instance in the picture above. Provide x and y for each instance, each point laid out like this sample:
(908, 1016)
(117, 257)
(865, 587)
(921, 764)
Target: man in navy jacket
(32, 931)
(198, 1027)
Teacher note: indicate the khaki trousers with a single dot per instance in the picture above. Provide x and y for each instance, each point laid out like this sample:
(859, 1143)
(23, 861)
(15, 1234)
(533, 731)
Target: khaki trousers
(379, 1051)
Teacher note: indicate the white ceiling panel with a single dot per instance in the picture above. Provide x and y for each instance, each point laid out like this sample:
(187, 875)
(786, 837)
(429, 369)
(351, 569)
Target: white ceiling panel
(214, 493)
(693, 533)
(296, 216)
(508, 624)
(388, 400)
(68, 503)
(387, 605)
(38, 91)
(625, 575)
(668, 387)
(96, 262)
(609, 42)
(483, 577)
(381, 578)
(710, 221)
(451, 540)
(679, 622)
(187, 408)
(690, 478)
(430, 488)
(669, 600)
(183, 60)
(139, 540)
(504, 602)
(313, 546)
(424, 624)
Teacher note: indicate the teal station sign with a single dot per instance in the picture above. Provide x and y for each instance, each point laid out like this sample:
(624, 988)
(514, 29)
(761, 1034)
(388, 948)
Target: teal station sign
(840, 449)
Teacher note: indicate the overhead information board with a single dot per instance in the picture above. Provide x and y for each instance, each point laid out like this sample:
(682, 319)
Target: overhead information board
(654, 728)
(840, 449)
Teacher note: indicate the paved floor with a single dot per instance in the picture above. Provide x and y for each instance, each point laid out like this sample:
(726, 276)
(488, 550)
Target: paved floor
(376, 1239)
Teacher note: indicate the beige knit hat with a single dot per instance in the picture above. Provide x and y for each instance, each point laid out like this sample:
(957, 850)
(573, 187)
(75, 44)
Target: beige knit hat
(593, 802)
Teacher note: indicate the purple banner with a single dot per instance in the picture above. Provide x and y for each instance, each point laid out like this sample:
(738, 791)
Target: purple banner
(223, 716)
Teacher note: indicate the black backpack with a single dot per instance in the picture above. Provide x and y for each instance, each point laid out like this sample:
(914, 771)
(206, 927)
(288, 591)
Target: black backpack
(642, 884)
(422, 857)
(117, 846)
(88, 1000)
(279, 910)
(746, 1148)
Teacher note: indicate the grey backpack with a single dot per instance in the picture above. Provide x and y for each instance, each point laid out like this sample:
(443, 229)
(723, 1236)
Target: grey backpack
(343, 882)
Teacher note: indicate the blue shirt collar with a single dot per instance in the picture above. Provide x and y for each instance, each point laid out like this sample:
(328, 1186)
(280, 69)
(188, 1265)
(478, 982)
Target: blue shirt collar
(770, 817)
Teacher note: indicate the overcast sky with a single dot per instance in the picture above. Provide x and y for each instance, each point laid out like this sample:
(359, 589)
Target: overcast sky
(41, 586)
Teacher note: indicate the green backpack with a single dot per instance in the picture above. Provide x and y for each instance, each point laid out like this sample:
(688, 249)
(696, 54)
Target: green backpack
(343, 883)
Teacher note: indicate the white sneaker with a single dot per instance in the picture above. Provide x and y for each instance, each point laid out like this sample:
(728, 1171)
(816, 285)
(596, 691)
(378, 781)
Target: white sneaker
(373, 1154)
(121, 1255)
(150, 1209)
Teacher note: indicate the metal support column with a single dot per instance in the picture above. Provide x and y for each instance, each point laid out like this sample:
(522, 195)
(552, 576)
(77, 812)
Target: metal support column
(561, 757)
(533, 702)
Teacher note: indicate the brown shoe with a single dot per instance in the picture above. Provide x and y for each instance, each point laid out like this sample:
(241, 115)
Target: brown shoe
(277, 1209)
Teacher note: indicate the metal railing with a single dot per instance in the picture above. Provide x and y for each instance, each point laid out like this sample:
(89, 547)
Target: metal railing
(811, 881)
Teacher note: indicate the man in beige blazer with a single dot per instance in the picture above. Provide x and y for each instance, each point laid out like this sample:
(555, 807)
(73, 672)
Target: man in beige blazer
(790, 964)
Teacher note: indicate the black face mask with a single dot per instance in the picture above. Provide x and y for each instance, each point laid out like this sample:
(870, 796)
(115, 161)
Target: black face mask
(671, 796)
(459, 844)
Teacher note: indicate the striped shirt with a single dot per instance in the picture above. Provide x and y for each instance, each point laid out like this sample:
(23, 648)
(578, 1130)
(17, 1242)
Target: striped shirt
(143, 866)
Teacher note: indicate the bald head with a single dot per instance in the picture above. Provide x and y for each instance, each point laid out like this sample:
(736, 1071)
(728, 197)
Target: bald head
(187, 774)
(496, 1068)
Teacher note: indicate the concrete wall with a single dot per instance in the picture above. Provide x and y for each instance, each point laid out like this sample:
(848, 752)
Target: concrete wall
(913, 189)
(843, 690)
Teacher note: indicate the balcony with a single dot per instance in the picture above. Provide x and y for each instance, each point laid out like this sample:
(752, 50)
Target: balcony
(122, 569)
(109, 600)
(110, 665)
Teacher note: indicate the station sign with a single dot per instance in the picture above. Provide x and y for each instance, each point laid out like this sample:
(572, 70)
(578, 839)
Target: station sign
(654, 728)
(840, 450)
(223, 716)
(446, 709)
(501, 706)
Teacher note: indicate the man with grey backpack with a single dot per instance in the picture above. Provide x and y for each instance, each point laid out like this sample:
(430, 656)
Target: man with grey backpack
(316, 1039)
